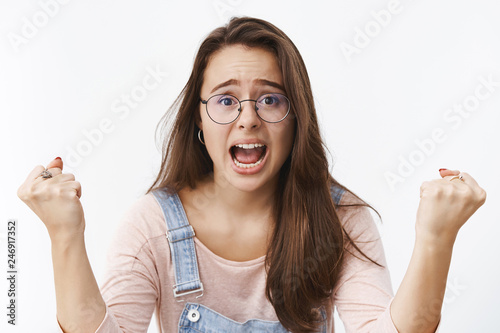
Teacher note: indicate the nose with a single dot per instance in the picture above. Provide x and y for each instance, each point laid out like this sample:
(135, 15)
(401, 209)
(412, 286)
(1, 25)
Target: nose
(248, 118)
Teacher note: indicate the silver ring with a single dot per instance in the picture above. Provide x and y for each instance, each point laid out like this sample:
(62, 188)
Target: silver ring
(46, 174)
(460, 177)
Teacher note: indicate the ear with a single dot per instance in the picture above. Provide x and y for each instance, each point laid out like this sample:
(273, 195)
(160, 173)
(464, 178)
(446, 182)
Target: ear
(198, 121)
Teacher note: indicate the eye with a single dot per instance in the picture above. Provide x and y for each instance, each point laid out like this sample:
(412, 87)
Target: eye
(227, 100)
(269, 99)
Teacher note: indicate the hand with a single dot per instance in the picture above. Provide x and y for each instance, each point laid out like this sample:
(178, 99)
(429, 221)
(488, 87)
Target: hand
(56, 200)
(446, 205)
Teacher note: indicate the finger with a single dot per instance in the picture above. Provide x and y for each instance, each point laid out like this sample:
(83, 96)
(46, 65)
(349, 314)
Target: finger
(446, 172)
(55, 163)
(449, 178)
(480, 192)
(75, 185)
(35, 173)
(470, 181)
(55, 166)
(53, 171)
(64, 177)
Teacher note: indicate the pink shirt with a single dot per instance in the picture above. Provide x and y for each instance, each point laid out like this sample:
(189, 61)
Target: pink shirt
(140, 277)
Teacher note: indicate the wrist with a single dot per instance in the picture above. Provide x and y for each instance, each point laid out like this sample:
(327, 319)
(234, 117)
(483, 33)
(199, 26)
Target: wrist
(66, 239)
(435, 241)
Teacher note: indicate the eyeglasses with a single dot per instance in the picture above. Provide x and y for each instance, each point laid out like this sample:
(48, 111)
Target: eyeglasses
(224, 109)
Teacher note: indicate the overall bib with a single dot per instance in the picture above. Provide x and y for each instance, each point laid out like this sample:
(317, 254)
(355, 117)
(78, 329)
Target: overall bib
(196, 317)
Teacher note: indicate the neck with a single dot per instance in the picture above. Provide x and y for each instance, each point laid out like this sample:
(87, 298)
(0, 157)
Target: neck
(240, 206)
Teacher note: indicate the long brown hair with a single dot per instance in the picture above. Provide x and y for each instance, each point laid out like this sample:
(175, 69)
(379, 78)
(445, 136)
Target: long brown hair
(307, 247)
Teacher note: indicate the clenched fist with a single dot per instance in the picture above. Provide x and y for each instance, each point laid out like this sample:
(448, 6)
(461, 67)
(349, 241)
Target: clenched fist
(56, 200)
(446, 204)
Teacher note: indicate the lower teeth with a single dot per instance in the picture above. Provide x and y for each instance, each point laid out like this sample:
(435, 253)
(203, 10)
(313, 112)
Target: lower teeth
(247, 166)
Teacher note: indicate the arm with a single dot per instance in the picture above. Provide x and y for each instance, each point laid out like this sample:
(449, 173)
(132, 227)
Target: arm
(80, 306)
(131, 284)
(444, 207)
(363, 292)
(56, 201)
(418, 301)
(363, 295)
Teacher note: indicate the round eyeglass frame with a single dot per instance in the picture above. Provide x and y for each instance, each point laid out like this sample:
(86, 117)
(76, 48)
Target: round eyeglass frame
(239, 109)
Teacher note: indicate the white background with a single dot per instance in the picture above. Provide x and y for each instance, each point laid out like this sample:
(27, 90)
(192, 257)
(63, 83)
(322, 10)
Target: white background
(67, 74)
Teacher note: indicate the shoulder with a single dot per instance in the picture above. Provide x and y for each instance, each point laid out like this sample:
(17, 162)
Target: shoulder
(356, 220)
(360, 227)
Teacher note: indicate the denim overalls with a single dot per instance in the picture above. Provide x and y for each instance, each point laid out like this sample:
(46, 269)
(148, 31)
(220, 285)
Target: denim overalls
(196, 317)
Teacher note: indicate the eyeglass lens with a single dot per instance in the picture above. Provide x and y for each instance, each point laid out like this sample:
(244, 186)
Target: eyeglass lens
(226, 108)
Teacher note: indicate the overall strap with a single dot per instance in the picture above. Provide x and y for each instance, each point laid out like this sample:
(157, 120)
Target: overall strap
(180, 239)
(336, 192)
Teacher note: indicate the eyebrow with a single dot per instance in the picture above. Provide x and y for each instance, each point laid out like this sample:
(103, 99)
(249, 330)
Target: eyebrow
(262, 82)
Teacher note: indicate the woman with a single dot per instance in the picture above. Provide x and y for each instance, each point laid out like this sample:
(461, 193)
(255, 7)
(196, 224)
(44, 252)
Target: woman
(259, 235)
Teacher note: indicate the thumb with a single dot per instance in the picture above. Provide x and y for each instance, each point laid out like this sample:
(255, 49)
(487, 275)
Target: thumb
(55, 163)
(446, 172)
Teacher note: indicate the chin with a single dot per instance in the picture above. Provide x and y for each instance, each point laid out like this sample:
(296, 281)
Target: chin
(252, 183)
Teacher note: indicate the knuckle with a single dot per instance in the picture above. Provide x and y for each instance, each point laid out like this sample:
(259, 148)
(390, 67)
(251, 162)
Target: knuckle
(33, 191)
(425, 185)
(440, 189)
(469, 192)
(482, 196)
(58, 191)
(431, 189)
(448, 191)
(20, 192)
(464, 192)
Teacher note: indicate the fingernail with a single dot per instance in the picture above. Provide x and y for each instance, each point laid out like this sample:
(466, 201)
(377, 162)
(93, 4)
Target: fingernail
(57, 158)
(442, 169)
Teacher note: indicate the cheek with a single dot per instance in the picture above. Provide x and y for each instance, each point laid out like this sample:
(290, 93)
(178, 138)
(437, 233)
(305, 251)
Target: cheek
(281, 131)
(215, 141)
(285, 134)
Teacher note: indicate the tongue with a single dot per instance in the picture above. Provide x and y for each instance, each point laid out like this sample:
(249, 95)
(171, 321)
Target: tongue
(248, 156)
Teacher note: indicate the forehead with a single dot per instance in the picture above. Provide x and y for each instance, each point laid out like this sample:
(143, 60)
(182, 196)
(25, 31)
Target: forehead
(243, 67)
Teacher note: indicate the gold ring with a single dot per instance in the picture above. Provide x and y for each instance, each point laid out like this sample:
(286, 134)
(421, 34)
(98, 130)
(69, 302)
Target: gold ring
(460, 177)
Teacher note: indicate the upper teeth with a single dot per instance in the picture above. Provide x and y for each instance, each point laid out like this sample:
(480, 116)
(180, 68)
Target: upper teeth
(249, 146)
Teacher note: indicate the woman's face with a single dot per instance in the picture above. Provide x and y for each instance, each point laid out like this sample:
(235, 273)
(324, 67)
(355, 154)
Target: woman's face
(245, 73)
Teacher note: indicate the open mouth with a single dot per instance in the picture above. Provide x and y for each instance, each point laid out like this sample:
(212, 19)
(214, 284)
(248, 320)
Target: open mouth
(248, 156)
